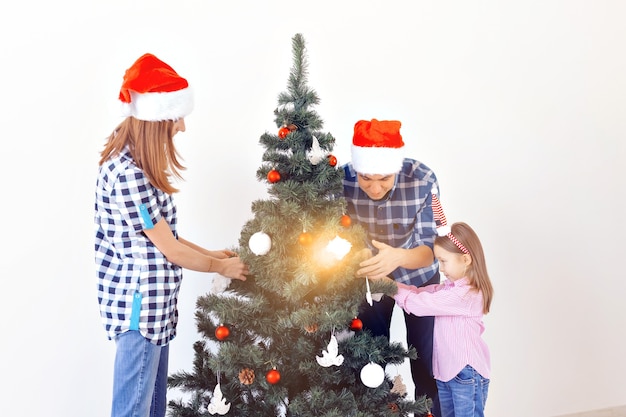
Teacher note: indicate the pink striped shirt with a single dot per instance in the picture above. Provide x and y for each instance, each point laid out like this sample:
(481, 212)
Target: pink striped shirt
(458, 312)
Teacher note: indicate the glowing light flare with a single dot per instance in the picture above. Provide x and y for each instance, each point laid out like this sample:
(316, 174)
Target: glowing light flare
(337, 248)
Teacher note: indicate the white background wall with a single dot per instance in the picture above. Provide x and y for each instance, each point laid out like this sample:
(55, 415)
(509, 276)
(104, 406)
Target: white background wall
(518, 106)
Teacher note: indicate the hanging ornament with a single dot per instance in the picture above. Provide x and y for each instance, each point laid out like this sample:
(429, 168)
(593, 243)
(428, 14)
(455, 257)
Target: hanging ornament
(222, 332)
(331, 355)
(260, 243)
(393, 407)
(273, 176)
(305, 239)
(283, 132)
(272, 376)
(246, 376)
(368, 292)
(316, 153)
(218, 403)
(290, 106)
(220, 284)
(311, 328)
(398, 386)
(346, 221)
(332, 160)
(356, 324)
(372, 375)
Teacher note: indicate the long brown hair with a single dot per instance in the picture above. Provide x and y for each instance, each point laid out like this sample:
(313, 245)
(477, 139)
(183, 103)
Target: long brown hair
(151, 146)
(477, 271)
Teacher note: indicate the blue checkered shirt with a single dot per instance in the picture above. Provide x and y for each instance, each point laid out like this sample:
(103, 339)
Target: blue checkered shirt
(404, 219)
(126, 260)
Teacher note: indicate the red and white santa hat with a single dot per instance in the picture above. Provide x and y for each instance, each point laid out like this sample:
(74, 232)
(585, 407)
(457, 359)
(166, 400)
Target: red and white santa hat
(377, 147)
(442, 223)
(153, 91)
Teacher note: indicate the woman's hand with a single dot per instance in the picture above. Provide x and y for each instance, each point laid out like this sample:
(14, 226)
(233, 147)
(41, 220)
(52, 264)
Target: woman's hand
(222, 254)
(231, 267)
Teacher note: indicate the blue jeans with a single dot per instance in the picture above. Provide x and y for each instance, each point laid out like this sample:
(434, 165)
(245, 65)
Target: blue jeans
(464, 395)
(139, 377)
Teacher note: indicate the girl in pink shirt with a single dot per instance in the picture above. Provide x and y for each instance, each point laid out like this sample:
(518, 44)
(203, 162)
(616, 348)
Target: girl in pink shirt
(461, 364)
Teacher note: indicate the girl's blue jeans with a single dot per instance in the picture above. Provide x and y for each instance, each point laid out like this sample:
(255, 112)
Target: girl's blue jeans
(464, 395)
(139, 377)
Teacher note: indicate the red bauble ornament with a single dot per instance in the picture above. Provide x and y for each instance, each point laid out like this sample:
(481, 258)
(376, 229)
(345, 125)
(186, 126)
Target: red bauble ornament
(283, 132)
(356, 324)
(332, 160)
(222, 332)
(272, 376)
(346, 221)
(273, 176)
(305, 239)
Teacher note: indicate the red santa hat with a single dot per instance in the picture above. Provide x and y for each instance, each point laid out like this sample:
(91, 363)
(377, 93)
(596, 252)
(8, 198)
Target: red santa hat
(442, 223)
(153, 91)
(377, 147)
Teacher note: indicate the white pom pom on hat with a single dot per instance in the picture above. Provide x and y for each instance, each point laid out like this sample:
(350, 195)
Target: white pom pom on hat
(377, 147)
(153, 91)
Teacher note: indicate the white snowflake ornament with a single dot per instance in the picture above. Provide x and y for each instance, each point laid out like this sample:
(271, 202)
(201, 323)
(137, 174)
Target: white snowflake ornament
(218, 403)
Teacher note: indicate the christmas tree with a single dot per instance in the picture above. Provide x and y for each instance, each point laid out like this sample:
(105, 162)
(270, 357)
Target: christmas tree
(288, 341)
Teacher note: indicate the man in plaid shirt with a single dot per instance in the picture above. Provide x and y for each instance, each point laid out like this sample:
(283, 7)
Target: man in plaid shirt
(391, 197)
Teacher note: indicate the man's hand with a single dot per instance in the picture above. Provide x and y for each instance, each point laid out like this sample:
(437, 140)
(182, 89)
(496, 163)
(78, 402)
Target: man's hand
(383, 263)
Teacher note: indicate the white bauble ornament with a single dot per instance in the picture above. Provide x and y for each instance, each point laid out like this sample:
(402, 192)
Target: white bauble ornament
(372, 375)
(260, 243)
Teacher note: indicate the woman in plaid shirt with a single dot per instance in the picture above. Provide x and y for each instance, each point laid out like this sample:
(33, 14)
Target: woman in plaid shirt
(139, 254)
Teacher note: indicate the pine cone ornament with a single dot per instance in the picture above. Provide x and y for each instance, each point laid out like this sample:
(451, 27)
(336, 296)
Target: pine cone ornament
(246, 376)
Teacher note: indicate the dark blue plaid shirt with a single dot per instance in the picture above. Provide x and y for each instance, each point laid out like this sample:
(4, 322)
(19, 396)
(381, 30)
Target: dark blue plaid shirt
(126, 260)
(404, 219)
